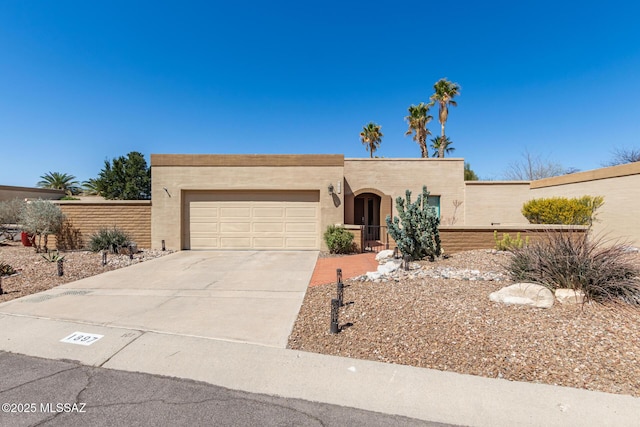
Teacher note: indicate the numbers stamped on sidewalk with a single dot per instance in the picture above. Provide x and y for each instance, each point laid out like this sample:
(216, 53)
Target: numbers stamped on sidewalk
(81, 338)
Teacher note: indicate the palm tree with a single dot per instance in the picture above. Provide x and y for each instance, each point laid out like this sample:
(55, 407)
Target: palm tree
(371, 137)
(90, 187)
(59, 181)
(418, 119)
(445, 91)
(441, 145)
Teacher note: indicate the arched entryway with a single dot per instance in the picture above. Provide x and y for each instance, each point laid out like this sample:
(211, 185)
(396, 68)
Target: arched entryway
(366, 211)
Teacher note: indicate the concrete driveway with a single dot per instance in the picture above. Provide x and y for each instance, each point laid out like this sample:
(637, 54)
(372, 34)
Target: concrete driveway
(243, 296)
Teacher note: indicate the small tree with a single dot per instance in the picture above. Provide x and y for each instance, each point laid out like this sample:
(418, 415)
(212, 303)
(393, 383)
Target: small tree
(125, 178)
(41, 218)
(416, 231)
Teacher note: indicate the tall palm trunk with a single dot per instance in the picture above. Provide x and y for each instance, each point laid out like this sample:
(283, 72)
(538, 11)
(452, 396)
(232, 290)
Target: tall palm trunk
(441, 148)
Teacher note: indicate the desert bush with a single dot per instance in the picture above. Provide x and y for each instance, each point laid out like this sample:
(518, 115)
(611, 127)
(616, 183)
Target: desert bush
(339, 240)
(111, 239)
(41, 218)
(507, 242)
(6, 269)
(601, 269)
(416, 230)
(561, 210)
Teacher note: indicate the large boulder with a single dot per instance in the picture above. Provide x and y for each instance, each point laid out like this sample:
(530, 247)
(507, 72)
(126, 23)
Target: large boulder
(569, 296)
(530, 294)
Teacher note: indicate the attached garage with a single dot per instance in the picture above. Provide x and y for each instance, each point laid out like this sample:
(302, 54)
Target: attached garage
(258, 220)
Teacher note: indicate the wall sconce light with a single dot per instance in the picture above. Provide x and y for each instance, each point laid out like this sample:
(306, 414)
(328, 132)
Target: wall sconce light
(331, 189)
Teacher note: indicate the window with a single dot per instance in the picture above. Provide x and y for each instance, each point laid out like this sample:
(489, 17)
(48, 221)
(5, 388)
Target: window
(434, 202)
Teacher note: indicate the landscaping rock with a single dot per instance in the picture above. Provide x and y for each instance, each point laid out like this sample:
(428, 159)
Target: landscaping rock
(383, 255)
(389, 267)
(570, 296)
(524, 294)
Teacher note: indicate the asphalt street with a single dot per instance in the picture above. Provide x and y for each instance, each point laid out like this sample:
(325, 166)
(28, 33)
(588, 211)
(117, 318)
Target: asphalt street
(43, 392)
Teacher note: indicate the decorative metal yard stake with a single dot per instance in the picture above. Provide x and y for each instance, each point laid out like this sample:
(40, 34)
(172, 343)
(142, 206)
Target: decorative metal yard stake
(60, 263)
(335, 304)
(407, 258)
(396, 254)
(104, 257)
(340, 286)
(1, 291)
(130, 252)
(163, 247)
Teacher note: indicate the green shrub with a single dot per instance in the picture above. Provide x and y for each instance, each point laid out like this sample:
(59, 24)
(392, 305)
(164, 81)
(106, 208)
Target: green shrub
(561, 210)
(416, 231)
(339, 240)
(6, 269)
(507, 243)
(109, 239)
(602, 270)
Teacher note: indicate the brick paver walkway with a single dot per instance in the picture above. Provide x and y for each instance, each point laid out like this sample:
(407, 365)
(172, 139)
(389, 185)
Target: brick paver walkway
(351, 265)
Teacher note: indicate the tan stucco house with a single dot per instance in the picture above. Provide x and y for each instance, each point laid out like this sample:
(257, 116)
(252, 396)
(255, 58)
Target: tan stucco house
(285, 201)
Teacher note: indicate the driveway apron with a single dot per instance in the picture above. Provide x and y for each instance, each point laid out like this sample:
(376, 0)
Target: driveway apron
(243, 296)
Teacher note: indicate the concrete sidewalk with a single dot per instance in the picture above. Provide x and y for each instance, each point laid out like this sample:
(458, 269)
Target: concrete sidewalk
(161, 318)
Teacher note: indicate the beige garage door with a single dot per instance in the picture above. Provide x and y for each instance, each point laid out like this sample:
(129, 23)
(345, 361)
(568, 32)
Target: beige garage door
(252, 220)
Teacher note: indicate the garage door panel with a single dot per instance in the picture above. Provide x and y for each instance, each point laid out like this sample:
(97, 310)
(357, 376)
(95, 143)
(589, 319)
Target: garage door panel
(301, 212)
(235, 212)
(204, 227)
(235, 227)
(268, 243)
(268, 227)
(235, 242)
(268, 212)
(299, 227)
(253, 220)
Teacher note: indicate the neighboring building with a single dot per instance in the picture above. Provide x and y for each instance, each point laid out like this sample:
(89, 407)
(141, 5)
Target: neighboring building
(10, 192)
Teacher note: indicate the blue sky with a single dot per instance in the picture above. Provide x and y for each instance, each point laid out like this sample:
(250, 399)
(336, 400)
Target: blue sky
(81, 82)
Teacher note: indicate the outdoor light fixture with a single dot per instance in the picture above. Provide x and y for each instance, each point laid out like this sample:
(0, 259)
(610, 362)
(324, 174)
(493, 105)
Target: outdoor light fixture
(339, 187)
(331, 189)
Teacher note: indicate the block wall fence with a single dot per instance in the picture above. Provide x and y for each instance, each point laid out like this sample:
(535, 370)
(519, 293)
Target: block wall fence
(85, 218)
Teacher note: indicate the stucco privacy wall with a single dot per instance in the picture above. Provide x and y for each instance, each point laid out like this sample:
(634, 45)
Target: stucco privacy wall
(9, 193)
(180, 173)
(85, 218)
(494, 202)
(620, 186)
(443, 177)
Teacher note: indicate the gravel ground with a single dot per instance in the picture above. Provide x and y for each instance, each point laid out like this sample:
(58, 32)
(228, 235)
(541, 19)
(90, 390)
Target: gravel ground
(35, 274)
(451, 325)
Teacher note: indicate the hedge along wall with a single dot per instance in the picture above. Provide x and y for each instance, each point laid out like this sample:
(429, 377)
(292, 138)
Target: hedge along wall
(83, 218)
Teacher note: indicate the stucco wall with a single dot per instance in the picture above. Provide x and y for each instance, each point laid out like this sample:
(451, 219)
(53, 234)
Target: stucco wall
(10, 193)
(494, 202)
(443, 177)
(620, 187)
(180, 173)
(85, 218)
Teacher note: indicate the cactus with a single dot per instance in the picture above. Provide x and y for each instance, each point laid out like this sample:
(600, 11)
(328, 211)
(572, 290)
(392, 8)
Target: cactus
(416, 231)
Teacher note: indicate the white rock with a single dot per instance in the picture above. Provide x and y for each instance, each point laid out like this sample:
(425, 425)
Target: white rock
(373, 275)
(389, 267)
(524, 294)
(387, 253)
(569, 296)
